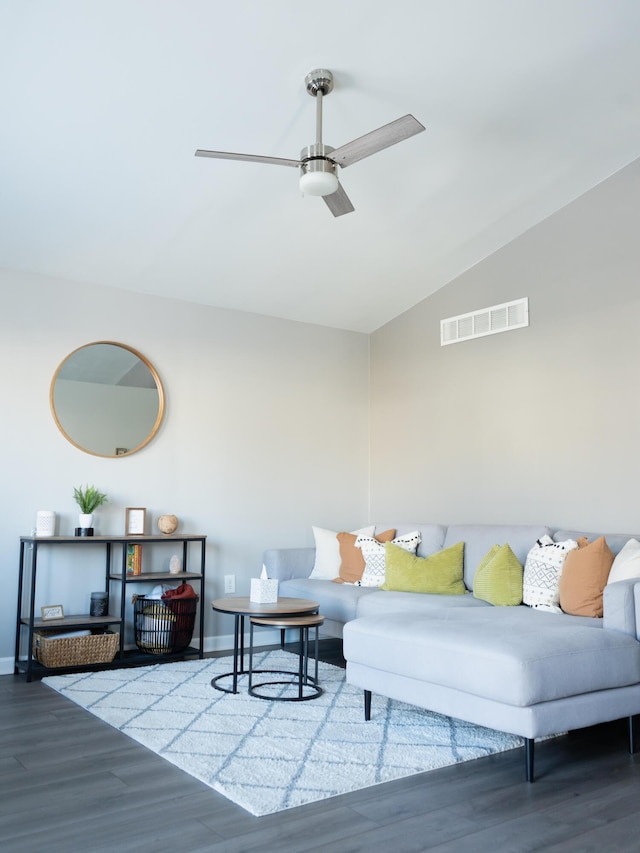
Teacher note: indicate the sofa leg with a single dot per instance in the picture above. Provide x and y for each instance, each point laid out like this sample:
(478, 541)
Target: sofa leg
(632, 734)
(367, 705)
(529, 743)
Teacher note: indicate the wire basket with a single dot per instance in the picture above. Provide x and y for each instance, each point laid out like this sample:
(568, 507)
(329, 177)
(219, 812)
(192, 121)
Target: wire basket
(53, 652)
(163, 627)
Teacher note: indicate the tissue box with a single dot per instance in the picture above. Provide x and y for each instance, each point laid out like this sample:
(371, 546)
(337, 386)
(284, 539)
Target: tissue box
(264, 591)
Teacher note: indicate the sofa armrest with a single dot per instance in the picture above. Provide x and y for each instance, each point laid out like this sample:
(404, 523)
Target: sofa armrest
(287, 563)
(622, 607)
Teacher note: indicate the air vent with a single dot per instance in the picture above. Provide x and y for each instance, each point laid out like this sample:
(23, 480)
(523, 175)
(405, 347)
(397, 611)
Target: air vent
(488, 321)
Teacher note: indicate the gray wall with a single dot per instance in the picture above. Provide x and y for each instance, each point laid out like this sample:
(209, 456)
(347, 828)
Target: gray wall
(267, 424)
(265, 434)
(533, 425)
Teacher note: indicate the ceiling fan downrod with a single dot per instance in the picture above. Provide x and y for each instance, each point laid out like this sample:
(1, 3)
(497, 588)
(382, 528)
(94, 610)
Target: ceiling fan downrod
(318, 172)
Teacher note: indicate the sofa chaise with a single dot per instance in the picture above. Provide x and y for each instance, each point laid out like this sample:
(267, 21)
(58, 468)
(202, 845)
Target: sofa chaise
(515, 668)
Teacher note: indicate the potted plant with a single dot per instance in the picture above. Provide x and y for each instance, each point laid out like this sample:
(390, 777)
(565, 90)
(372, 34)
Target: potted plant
(88, 499)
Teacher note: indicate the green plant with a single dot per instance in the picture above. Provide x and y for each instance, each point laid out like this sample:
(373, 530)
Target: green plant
(89, 498)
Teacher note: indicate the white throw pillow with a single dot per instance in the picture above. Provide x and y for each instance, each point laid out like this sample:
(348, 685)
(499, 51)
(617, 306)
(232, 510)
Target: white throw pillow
(627, 563)
(327, 563)
(542, 571)
(374, 555)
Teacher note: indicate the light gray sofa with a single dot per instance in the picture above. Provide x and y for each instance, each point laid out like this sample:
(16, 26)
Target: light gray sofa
(514, 669)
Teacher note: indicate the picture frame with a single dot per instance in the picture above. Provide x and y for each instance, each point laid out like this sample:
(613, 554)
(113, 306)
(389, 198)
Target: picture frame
(52, 611)
(135, 520)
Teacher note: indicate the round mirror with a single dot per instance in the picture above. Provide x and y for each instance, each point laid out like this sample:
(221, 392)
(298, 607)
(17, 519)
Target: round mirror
(107, 399)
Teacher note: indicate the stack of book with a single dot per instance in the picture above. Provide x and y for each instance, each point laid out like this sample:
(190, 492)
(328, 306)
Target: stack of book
(134, 559)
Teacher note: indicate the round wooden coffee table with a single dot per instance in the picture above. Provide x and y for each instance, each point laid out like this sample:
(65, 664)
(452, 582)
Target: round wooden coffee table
(241, 606)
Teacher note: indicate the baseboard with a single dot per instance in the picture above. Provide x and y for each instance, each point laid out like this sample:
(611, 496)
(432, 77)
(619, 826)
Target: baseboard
(223, 643)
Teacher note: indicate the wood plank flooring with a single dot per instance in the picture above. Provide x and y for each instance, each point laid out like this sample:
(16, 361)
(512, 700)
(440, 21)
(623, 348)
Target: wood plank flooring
(69, 782)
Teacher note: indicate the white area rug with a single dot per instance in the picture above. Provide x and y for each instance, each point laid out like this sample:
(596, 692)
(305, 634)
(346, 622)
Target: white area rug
(266, 755)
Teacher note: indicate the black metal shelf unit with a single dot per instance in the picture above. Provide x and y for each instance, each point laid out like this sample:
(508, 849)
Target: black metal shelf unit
(115, 572)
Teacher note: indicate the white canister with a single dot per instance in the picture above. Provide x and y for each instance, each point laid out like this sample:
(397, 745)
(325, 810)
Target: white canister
(45, 523)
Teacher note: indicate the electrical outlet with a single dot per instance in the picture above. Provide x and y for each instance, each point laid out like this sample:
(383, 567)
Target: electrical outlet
(229, 583)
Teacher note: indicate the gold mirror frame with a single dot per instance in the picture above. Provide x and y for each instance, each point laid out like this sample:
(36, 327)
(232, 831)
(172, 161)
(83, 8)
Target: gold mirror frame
(118, 452)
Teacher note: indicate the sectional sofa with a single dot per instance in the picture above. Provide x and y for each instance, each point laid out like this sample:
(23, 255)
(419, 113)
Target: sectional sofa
(516, 669)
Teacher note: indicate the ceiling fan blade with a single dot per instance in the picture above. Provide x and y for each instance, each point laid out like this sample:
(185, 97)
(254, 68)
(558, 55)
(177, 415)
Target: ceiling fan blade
(251, 158)
(377, 140)
(338, 202)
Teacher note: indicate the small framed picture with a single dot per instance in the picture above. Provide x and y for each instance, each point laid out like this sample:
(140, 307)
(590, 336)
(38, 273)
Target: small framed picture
(120, 451)
(135, 519)
(52, 611)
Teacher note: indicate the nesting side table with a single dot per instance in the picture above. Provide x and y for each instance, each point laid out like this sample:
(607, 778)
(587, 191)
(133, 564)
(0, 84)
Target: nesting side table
(241, 606)
(307, 685)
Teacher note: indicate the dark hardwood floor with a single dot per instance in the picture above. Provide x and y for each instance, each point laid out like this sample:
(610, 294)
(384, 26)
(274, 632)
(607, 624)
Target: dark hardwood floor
(69, 782)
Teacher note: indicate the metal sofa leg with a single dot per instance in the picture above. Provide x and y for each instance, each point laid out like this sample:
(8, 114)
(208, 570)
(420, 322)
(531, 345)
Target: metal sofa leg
(367, 704)
(633, 747)
(529, 743)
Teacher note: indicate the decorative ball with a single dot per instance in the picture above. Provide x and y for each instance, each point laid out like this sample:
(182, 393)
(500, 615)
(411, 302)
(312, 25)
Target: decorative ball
(167, 524)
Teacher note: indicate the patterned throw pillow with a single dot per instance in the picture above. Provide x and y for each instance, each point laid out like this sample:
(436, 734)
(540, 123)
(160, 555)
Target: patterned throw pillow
(374, 555)
(542, 571)
(352, 560)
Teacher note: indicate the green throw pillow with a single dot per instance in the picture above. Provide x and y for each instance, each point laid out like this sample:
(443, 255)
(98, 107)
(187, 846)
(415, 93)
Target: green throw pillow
(498, 578)
(441, 573)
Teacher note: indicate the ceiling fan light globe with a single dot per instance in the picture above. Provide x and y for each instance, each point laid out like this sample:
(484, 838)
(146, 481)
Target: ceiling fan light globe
(318, 183)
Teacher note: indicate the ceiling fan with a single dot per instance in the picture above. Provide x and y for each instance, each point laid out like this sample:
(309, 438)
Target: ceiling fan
(318, 162)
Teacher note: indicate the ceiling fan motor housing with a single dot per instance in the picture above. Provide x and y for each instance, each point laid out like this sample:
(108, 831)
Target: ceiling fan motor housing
(318, 173)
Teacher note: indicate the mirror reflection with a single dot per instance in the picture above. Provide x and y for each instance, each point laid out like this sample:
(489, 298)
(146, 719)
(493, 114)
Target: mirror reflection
(107, 399)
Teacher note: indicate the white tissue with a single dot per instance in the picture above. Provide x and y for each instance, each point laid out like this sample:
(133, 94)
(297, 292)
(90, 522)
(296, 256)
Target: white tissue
(264, 576)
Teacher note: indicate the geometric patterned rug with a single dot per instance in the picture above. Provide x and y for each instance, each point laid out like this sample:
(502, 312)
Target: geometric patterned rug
(267, 756)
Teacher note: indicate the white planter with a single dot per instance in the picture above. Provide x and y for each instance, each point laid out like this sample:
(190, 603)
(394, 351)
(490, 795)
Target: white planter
(85, 519)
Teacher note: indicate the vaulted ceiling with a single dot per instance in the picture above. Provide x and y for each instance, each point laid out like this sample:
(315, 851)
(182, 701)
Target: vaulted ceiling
(527, 105)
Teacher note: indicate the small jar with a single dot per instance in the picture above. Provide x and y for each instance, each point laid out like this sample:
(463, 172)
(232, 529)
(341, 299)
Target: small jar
(99, 604)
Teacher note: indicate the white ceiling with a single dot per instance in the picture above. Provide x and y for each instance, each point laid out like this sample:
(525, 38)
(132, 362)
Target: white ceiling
(527, 104)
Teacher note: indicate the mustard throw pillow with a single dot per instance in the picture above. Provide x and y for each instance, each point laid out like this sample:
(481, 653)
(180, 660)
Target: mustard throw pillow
(441, 573)
(498, 578)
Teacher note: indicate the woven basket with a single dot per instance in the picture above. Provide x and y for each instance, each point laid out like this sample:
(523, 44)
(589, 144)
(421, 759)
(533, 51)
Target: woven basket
(74, 651)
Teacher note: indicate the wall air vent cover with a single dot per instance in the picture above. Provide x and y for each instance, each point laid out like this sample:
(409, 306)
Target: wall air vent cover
(487, 321)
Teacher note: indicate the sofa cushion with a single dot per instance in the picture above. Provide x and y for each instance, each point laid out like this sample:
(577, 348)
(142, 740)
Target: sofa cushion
(615, 541)
(498, 578)
(374, 555)
(479, 538)
(338, 602)
(390, 601)
(514, 655)
(626, 564)
(351, 558)
(431, 535)
(584, 577)
(439, 574)
(542, 570)
(327, 560)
